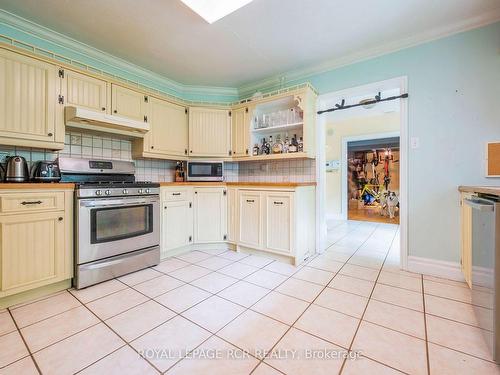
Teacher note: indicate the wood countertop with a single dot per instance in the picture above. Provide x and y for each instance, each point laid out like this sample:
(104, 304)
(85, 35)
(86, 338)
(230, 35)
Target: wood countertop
(494, 190)
(36, 186)
(255, 184)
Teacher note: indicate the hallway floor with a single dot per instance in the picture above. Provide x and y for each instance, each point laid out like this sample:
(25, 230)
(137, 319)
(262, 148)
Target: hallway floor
(349, 311)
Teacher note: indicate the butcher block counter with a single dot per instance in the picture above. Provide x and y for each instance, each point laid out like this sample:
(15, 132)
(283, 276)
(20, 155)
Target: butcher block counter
(37, 186)
(238, 184)
(493, 190)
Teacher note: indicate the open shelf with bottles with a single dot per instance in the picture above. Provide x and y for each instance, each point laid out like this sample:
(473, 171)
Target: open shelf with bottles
(286, 120)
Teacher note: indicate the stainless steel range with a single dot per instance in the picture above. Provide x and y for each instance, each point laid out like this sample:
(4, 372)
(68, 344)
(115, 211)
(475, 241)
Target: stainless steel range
(117, 220)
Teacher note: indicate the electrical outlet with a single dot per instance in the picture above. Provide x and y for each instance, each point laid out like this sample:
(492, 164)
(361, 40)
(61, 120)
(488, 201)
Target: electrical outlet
(414, 142)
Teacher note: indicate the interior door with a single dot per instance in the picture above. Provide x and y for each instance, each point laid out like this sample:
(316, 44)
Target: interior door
(250, 227)
(129, 103)
(80, 90)
(169, 128)
(29, 97)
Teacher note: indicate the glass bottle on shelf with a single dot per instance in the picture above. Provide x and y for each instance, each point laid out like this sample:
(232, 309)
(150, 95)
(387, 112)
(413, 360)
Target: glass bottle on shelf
(255, 150)
(269, 145)
(293, 144)
(262, 150)
(300, 146)
(286, 144)
(278, 145)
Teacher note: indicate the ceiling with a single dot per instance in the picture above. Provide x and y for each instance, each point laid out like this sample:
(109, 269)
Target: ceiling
(262, 39)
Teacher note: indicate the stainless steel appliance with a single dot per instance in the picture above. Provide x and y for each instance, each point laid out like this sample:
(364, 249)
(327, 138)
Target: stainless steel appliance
(16, 170)
(45, 171)
(117, 220)
(202, 170)
(486, 268)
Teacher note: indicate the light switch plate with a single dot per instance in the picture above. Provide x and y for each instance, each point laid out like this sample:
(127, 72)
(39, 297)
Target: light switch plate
(414, 142)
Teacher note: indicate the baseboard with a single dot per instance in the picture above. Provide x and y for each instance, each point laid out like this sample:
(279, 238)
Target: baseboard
(434, 267)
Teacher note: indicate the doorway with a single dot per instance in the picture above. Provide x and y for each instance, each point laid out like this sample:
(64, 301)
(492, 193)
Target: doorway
(332, 156)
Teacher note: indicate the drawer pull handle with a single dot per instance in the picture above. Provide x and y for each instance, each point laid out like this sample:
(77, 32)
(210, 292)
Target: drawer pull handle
(278, 202)
(250, 200)
(176, 193)
(31, 202)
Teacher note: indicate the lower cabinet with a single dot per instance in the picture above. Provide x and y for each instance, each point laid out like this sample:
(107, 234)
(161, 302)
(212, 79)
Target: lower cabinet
(177, 225)
(232, 215)
(466, 238)
(210, 214)
(279, 222)
(35, 243)
(250, 219)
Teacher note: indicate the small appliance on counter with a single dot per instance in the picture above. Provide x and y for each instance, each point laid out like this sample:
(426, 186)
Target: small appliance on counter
(179, 172)
(16, 169)
(205, 171)
(45, 171)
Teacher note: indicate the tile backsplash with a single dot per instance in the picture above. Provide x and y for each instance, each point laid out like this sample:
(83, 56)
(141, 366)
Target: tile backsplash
(82, 145)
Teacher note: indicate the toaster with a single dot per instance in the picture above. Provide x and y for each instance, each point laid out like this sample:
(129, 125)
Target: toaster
(45, 171)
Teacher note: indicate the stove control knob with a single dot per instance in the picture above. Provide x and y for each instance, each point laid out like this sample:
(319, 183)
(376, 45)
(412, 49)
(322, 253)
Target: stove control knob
(125, 191)
(139, 191)
(107, 192)
(148, 191)
(98, 192)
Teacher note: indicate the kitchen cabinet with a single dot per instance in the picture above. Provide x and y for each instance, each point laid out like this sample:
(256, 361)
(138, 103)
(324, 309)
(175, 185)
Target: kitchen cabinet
(240, 132)
(168, 136)
(30, 114)
(279, 221)
(210, 214)
(177, 225)
(250, 219)
(232, 215)
(209, 132)
(129, 103)
(80, 90)
(44, 256)
(466, 237)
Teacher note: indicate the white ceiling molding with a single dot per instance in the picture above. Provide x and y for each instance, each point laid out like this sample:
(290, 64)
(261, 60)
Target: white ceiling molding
(274, 82)
(128, 68)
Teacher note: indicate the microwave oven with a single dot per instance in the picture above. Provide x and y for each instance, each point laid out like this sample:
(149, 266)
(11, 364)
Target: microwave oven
(201, 170)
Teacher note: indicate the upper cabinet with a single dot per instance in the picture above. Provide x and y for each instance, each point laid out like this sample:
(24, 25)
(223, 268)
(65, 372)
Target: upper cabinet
(30, 115)
(129, 103)
(240, 133)
(209, 132)
(83, 91)
(168, 137)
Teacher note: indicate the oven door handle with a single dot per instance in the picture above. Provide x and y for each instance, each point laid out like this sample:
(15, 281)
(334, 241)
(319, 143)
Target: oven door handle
(93, 204)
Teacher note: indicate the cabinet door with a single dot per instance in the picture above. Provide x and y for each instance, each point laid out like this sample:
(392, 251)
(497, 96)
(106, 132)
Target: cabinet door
(232, 215)
(177, 225)
(34, 260)
(250, 227)
(84, 91)
(240, 133)
(279, 221)
(209, 132)
(210, 216)
(29, 100)
(169, 128)
(129, 103)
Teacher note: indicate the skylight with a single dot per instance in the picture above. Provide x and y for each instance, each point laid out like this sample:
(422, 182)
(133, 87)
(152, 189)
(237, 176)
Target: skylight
(214, 10)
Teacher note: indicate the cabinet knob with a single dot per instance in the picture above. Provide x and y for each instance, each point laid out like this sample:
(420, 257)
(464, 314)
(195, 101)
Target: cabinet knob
(152, 147)
(185, 151)
(60, 218)
(50, 134)
(103, 108)
(191, 151)
(115, 111)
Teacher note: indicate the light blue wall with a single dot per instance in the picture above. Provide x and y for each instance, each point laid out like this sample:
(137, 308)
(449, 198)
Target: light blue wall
(454, 108)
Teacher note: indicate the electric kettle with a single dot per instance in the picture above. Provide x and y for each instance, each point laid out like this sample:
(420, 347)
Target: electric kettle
(16, 170)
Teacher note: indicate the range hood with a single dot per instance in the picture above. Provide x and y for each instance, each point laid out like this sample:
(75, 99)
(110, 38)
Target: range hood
(81, 118)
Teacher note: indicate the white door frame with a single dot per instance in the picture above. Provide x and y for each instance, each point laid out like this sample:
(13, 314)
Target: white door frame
(343, 162)
(328, 100)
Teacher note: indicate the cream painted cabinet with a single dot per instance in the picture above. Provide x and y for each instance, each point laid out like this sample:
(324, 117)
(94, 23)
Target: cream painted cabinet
(30, 115)
(210, 214)
(35, 244)
(250, 218)
(279, 221)
(129, 103)
(232, 215)
(209, 132)
(168, 137)
(177, 225)
(240, 132)
(466, 238)
(83, 91)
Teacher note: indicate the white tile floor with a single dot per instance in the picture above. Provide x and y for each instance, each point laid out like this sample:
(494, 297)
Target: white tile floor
(220, 312)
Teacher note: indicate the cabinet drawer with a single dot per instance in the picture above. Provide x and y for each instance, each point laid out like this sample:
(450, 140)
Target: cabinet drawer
(181, 194)
(31, 202)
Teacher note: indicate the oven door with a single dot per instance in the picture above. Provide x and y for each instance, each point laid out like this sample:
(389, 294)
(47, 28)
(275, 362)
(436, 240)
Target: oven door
(112, 226)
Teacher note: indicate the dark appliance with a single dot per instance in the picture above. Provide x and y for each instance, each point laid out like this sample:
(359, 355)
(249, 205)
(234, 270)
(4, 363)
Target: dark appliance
(45, 171)
(201, 170)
